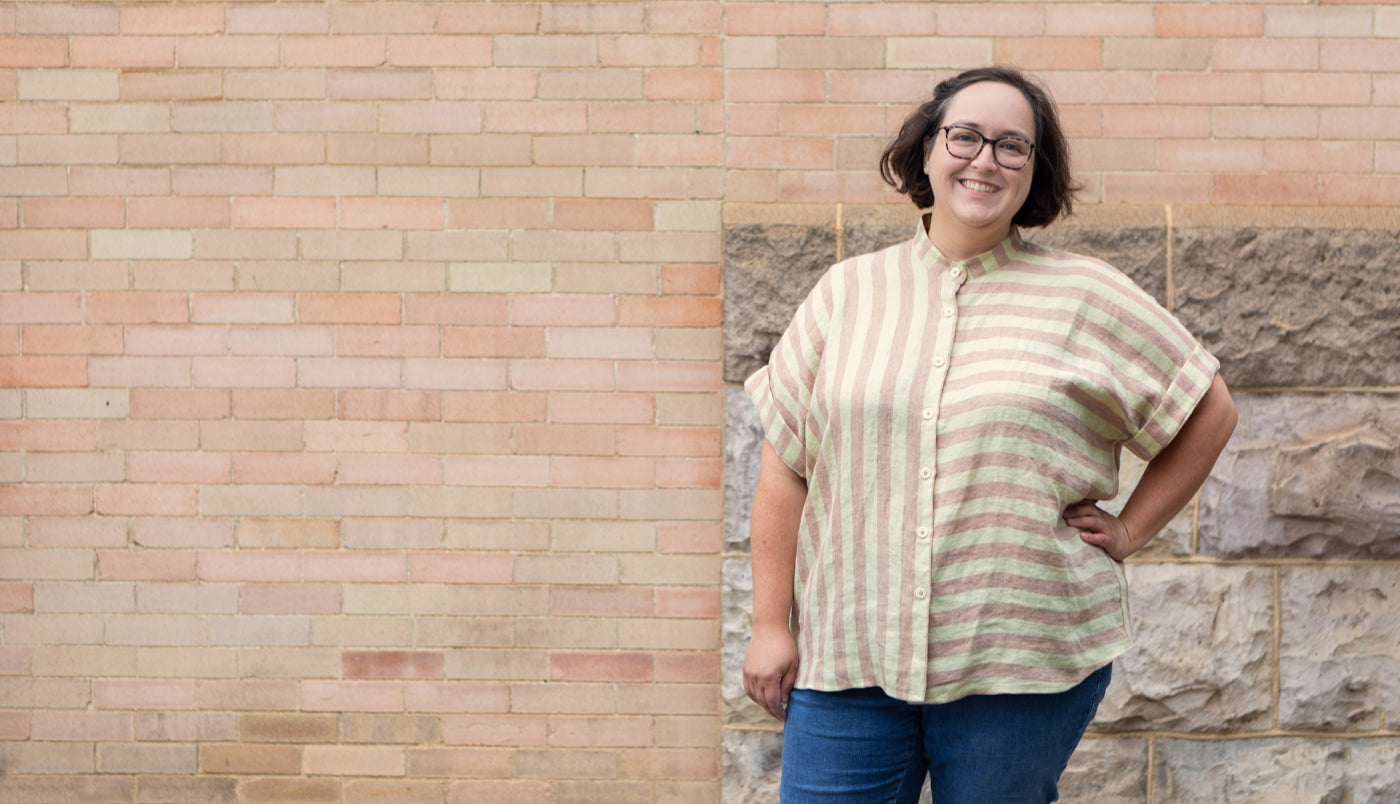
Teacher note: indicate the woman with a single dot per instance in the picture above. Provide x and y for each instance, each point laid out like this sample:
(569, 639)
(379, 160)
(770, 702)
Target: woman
(940, 418)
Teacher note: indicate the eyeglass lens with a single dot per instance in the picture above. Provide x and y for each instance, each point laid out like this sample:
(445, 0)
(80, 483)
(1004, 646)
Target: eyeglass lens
(1009, 152)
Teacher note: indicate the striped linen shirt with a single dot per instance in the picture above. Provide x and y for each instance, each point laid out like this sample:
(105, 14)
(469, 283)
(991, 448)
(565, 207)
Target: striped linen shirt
(943, 415)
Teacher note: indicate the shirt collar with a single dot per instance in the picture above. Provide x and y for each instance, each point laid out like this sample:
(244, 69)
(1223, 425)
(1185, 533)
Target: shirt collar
(995, 258)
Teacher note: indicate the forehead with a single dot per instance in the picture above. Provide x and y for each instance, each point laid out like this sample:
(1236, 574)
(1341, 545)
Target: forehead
(993, 106)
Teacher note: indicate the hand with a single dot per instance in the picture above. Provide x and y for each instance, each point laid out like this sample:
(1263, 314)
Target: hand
(770, 669)
(1099, 527)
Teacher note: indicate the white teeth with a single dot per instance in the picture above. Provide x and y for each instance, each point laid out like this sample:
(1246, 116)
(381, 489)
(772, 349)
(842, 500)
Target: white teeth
(979, 186)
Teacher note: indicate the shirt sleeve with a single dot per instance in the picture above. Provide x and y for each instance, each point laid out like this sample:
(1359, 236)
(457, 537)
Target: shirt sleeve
(1164, 372)
(783, 390)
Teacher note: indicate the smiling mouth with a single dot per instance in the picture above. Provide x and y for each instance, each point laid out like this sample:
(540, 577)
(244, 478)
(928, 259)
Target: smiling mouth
(978, 186)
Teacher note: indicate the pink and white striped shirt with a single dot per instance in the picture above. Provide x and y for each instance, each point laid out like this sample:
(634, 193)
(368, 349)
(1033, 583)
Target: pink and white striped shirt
(943, 415)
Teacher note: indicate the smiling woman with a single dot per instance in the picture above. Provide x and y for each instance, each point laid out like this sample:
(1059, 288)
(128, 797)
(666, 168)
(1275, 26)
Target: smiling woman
(936, 592)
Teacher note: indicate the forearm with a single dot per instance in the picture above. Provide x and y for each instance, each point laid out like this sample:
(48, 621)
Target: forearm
(777, 513)
(1174, 476)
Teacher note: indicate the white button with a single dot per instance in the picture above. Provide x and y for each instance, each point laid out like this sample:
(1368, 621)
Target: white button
(926, 473)
(921, 593)
(948, 311)
(956, 271)
(923, 532)
(928, 413)
(938, 361)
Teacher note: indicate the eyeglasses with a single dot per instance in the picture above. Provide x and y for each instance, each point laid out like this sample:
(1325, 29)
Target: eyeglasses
(1011, 152)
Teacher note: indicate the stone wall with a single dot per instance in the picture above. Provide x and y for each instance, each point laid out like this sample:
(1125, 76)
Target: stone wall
(1267, 666)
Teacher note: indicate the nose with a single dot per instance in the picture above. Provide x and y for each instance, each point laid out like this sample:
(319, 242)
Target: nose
(985, 160)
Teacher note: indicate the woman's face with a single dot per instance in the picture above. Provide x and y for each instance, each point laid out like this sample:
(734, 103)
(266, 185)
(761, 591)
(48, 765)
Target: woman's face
(975, 200)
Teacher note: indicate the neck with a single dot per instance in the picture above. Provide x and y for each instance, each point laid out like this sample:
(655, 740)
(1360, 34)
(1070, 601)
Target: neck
(957, 241)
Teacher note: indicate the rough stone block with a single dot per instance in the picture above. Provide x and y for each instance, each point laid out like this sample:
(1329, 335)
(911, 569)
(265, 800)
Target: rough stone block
(1202, 655)
(1298, 771)
(1106, 772)
(1306, 306)
(1307, 477)
(752, 762)
(736, 600)
(1338, 664)
(768, 271)
(743, 445)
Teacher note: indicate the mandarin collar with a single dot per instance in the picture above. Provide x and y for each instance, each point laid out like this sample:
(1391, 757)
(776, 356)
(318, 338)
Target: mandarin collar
(993, 259)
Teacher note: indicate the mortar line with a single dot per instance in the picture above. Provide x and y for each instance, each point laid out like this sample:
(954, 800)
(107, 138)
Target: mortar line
(1151, 770)
(1171, 261)
(840, 231)
(1276, 683)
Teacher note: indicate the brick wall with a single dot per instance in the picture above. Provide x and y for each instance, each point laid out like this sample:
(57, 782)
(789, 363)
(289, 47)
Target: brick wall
(361, 386)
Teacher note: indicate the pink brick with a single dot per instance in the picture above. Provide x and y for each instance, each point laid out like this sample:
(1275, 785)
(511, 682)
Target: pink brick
(266, 695)
(458, 567)
(278, 19)
(299, 341)
(356, 436)
(1264, 189)
(688, 537)
(74, 213)
(475, 309)
(494, 730)
(672, 375)
(243, 308)
(333, 51)
(600, 666)
(562, 310)
(283, 404)
(687, 602)
(345, 567)
(297, 469)
(462, 375)
(576, 601)
(412, 470)
(300, 598)
(244, 372)
(170, 467)
(185, 18)
(390, 213)
(177, 213)
(1361, 190)
(137, 307)
(16, 596)
(259, 566)
(48, 436)
(33, 51)
(49, 372)
(493, 342)
(610, 472)
(207, 532)
(692, 473)
(32, 308)
(349, 308)
(786, 86)
(687, 668)
(670, 442)
(176, 340)
(283, 213)
(561, 375)
(456, 696)
(496, 470)
(51, 499)
(230, 51)
(14, 661)
(352, 696)
(178, 403)
(162, 500)
(383, 664)
(389, 405)
(14, 725)
(123, 51)
(134, 694)
(147, 565)
(610, 408)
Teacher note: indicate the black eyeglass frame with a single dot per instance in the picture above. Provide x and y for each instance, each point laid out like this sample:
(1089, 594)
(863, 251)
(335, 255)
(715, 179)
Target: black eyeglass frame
(985, 141)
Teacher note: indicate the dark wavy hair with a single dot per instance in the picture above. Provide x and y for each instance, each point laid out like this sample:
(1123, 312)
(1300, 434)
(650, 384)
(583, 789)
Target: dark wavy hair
(1052, 186)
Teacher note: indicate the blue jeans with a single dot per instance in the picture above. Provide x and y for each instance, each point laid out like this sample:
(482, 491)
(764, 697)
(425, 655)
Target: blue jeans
(863, 747)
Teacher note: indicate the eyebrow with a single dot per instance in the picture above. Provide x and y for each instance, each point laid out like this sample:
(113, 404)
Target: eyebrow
(1014, 132)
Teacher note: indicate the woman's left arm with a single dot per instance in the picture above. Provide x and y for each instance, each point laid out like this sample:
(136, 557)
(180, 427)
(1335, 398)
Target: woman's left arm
(1167, 484)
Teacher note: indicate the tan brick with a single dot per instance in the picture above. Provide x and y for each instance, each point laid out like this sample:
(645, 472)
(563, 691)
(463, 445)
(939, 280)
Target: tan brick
(184, 662)
(186, 726)
(287, 728)
(418, 729)
(498, 665)
(250, 759)
(83, 661)
(277, 791)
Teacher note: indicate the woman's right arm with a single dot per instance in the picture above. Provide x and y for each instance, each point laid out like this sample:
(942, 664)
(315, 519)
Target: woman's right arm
(770, 665)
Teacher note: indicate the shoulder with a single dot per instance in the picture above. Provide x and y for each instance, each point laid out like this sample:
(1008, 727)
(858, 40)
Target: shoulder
(1080, 274)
